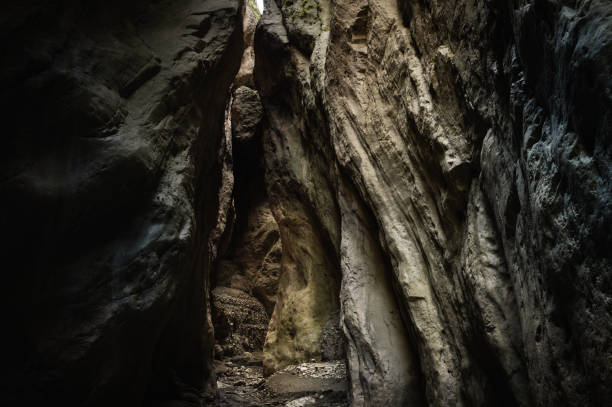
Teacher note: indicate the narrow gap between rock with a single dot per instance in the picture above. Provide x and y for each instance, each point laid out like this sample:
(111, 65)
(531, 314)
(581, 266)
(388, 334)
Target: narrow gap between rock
(245, 279)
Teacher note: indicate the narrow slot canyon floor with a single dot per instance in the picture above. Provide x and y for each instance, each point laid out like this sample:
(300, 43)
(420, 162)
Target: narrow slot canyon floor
(241, 382)
(241, 323)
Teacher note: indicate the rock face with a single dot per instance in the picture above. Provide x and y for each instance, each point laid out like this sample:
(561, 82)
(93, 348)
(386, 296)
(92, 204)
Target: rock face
(112, 161)
(381, 359)
(252, 260)
(249, 22)
(248, 269)
(449, 164)
(433, 179)
(240, 321)
(300, 187)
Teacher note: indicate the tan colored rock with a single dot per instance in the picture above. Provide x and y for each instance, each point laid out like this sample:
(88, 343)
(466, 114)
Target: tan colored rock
(249, 22)
(383, 365)
(473, 134)
(301, 196)
(240, 321)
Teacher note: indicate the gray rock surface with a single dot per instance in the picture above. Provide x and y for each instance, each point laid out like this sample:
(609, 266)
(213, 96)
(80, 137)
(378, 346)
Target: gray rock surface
(240, 321)
(430, 178)
(111, 158)
(476, 139)
(250, 18)
(301, 196)
(383, 366)
(246, 116)
(320, 384)
(332, 339)
(250, 261)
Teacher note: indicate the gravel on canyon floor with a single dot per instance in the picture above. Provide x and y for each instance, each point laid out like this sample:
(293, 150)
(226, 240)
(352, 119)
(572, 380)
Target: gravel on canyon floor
(241, 382)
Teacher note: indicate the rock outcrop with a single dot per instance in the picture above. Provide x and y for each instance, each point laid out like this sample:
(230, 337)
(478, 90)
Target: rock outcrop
(240, 322)
(249, 23)
(300, 186)
(421, 188)
(112, 161)
(251, 262)
(451, 159)
(246, 274)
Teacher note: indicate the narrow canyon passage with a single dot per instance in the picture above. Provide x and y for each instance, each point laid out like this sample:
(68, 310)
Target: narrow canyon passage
(246, 276)
(331, 203)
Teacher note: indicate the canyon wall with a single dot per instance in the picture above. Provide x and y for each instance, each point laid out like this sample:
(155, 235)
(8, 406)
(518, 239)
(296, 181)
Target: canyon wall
(432, 177)
(246, 274)
(448, 164)
(114, 153)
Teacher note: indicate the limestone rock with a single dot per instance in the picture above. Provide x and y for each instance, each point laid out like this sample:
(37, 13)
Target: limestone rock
(251, 261)
(383, 366)
(246, 116)
(302, 18)
(240, 320)
(432, 178)
(299, 186)
(332, 339)
(110, 160)
(249, 22)
(475, 138)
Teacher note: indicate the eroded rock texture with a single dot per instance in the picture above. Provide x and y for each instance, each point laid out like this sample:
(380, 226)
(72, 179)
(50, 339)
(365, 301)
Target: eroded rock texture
(431, 178)
(240, 321)
(113, 155)
(251, 262)
(246, 274)
(300, 186)
(455, 157)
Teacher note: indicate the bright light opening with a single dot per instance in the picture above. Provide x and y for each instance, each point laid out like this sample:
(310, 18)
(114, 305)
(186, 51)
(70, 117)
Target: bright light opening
(260, 5)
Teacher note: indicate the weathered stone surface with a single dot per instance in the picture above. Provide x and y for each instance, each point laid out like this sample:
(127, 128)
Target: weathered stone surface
(241, 383)
(303, 21)
(383, 367)
(240, 321)
(249, 268)
(436, 173)
(300, 192)
(246, 116)
(476, 138)
(249, 22)
(332, 339)
(111, 158)
(251, 261)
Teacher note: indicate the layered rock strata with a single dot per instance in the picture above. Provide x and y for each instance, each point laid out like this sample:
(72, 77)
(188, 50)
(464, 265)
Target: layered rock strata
(300, 187)
(473, 138)
(112, 161)
(431, 177)
(246, 273)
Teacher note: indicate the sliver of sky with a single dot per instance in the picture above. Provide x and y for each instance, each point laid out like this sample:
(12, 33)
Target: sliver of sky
(259, 4)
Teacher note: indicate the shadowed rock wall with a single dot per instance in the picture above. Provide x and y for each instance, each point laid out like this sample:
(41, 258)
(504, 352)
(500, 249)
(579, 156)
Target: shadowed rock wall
(111, 164)
(439, 173)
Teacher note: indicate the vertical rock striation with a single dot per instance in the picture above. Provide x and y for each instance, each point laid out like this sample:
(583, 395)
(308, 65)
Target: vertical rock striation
(432, 178)
(246, 274)
(300, 186)
(112, 161)
(458, 154)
